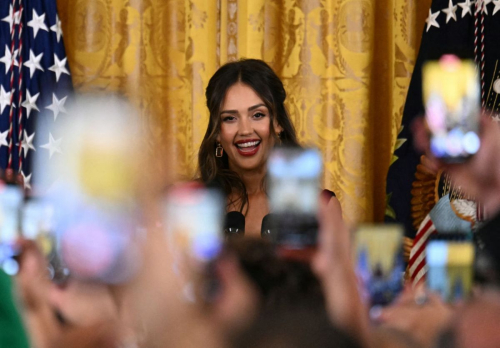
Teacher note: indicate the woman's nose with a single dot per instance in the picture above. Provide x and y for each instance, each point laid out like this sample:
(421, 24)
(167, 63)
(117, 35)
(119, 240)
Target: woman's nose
(245, 126)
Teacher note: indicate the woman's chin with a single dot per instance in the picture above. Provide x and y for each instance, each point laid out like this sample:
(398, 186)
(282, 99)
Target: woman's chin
(248, 164)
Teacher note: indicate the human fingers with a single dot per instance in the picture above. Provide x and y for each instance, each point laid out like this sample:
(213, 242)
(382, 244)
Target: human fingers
(32, 279)
(421, 141)
(82, 303)
(327, 228)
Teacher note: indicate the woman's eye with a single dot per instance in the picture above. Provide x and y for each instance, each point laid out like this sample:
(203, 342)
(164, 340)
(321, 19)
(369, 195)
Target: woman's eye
(259, 115)
(228, 118)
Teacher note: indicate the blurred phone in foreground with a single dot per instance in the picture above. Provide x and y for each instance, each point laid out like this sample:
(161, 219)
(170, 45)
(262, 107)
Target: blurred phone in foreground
(450, 268)
(29, 219)
(37, 224)
(11, 200)
(452, 107)
(379, 264)
(193, 218)
(294, 189)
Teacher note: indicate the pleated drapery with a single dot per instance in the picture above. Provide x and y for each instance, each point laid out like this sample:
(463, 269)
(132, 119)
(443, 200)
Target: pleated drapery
(346, 65)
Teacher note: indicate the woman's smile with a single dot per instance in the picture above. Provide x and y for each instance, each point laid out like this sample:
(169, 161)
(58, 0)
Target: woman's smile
(248, 147)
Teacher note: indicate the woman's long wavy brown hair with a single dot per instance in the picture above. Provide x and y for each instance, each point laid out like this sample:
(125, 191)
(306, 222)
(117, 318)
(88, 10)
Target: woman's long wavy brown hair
(262, 79)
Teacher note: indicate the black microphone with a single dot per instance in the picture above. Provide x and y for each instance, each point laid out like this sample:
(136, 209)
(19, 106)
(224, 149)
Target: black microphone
(234, 225)
(268, 229)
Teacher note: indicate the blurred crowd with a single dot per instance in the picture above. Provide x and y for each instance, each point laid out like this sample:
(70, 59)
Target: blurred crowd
(116, 271)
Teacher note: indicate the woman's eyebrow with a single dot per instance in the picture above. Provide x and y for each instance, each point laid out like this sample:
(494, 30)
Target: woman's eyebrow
(251, 108)
(229, 112)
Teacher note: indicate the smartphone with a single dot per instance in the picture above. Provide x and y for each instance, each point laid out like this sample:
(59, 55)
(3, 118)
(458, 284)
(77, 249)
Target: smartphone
(379, 263)
(450, 268)
(193, 218)
(11, 200)
(194, 221)
(452, 107)
(37, 224)
(294, 190)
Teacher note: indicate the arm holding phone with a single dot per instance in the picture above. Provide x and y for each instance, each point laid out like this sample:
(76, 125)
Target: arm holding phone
(479, 176)
(455, 135)
(78, 314)
(333, 266)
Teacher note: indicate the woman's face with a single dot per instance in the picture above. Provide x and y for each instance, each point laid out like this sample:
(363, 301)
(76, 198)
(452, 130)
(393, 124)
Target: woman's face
(245, 132)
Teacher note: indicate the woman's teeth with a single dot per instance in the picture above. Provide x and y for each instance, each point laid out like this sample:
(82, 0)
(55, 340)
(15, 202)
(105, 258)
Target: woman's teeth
(249, 144)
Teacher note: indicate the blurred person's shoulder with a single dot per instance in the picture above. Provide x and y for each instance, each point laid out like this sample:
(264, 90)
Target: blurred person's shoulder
(488, 236)
(12, 333)
(487, 239)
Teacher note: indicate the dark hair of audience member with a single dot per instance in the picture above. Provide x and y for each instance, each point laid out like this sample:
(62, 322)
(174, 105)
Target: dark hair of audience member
(294, 328)
(447, 339)
(281, 283)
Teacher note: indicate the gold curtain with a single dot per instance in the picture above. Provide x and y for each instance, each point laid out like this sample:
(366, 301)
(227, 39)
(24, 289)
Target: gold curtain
(346, 65)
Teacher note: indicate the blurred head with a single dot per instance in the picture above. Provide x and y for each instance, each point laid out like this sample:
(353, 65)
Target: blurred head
(247, 117)
(281, 283)
(294, 328)
(252, 279)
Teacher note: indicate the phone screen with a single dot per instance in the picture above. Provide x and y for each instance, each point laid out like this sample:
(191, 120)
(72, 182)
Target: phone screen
(193, 218)
(293, 179)
(11, 199)
(37, 224)
(379, 264)
(37, 221)
(452, 107)
(450, 268)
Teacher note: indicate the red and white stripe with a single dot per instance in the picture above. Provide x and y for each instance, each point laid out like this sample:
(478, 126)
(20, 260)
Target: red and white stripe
(480, 214)
(417, 265)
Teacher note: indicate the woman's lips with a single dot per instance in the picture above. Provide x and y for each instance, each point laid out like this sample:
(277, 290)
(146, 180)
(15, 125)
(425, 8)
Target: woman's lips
(248, 148)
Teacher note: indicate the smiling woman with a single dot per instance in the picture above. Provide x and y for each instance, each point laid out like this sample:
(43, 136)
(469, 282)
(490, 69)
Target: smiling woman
(247, 118)
(245, 129)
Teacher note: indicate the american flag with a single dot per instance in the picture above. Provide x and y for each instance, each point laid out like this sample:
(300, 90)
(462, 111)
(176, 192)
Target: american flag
(35, 84)
(417, 266)
(451, 217)
(469, 29)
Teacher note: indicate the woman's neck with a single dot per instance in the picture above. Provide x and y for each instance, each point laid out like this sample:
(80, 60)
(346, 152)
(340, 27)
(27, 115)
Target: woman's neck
(252, 179)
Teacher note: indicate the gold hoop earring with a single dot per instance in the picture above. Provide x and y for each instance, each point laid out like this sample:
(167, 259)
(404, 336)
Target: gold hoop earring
(219, 151)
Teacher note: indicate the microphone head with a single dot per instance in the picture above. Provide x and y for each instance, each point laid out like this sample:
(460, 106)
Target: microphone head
(268, 229)
(234, 224)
